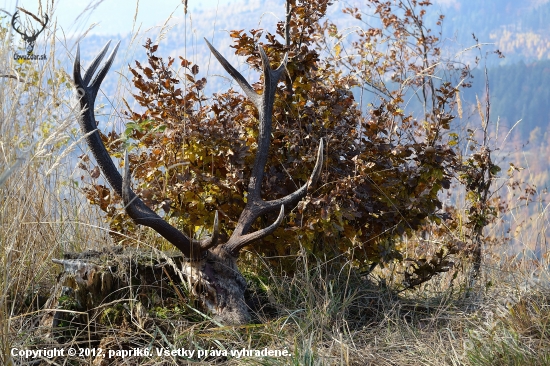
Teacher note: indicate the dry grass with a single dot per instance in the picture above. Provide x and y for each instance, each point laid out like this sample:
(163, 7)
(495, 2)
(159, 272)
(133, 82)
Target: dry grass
(41, 211)
(324, 314)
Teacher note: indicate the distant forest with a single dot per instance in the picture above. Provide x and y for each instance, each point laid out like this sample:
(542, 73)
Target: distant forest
(518, 91)
(519, 83)
(520, 29)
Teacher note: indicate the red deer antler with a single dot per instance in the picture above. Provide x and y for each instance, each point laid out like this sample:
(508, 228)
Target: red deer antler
(143, 215)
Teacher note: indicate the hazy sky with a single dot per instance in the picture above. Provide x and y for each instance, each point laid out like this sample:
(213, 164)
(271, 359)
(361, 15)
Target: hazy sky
(111, 16)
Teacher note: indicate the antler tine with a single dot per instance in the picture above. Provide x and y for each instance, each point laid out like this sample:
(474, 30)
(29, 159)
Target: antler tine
(239, 241)
(271, 78)
(248, 90)
(95, 63)
(93, 88)
(294, 197)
